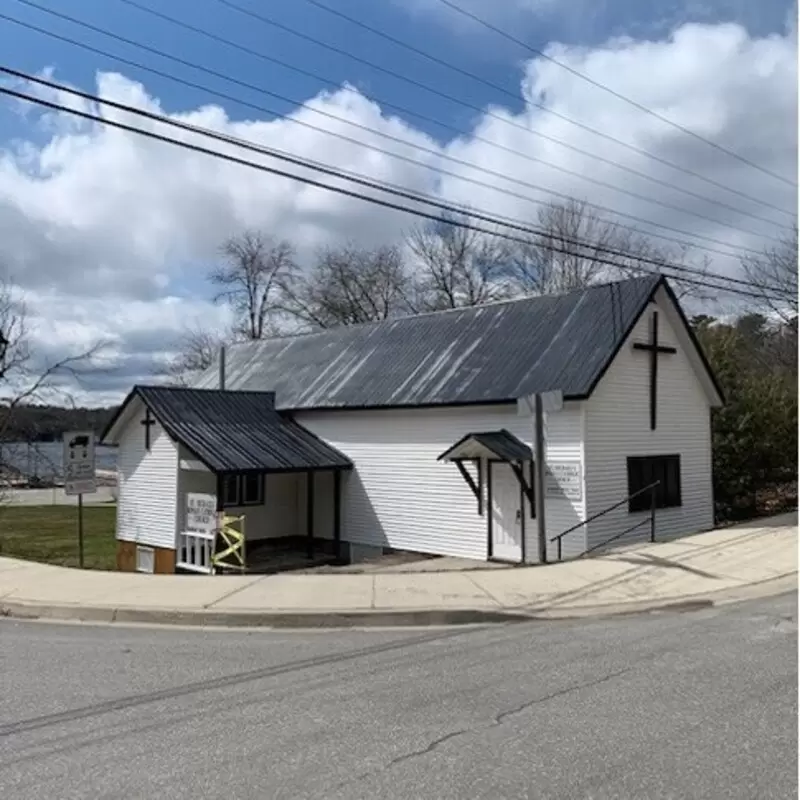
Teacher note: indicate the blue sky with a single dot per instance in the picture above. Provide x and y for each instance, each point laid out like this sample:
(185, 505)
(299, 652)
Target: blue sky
(85, 212)
(426, 24)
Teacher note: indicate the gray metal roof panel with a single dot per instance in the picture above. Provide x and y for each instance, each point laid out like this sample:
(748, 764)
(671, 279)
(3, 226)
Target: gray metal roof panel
(483, 354)
(238, 431)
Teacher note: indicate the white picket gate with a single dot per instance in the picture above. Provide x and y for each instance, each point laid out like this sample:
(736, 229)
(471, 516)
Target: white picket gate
(195, 550)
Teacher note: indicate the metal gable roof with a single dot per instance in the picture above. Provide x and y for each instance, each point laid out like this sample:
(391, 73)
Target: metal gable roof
(235, 431)
(485, 354)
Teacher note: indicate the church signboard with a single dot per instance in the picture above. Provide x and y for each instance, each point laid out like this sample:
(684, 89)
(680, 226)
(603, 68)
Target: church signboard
(201, 513)
(564, 480)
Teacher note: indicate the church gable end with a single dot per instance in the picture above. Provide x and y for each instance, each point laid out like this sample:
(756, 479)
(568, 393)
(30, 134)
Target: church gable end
(650, 415)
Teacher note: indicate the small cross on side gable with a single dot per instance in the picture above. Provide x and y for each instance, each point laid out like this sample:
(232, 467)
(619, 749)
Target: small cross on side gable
(148, 423)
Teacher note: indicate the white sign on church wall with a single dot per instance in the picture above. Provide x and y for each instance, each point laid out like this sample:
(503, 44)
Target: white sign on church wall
(564, 480)
(201, 512)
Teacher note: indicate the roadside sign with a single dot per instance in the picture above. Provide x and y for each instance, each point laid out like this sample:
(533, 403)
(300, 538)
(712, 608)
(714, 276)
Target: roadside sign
(79, 463)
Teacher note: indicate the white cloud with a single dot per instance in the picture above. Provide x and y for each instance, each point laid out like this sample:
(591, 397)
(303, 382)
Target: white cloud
(104, 230)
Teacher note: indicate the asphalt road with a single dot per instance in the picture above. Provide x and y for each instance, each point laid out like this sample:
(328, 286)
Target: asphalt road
(695, 705)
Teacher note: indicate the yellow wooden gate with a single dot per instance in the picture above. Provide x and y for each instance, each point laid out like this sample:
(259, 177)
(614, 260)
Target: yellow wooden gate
(229, 553)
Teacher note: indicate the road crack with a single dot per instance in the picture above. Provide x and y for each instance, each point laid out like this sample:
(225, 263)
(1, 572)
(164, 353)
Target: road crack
(496, 721)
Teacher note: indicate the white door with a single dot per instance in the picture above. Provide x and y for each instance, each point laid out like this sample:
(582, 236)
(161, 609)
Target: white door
(506, 516)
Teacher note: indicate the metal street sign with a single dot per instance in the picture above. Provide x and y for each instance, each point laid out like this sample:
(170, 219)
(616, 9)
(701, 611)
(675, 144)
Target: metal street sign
(79, 463)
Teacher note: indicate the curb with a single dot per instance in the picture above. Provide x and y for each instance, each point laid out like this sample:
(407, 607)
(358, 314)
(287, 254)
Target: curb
(386, 619)
(258, 619)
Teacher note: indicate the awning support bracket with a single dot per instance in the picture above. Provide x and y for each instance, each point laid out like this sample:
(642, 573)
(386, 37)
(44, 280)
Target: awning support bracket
(476, 487)
(517, 468)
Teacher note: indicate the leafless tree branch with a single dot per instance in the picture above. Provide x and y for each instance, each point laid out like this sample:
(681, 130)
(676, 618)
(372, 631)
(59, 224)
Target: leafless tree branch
(774, 275)
(24, 380)
(255, 268)
(457, 266)
(348, 285)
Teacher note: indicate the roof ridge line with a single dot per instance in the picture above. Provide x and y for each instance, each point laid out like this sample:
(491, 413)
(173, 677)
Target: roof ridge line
(654, 277)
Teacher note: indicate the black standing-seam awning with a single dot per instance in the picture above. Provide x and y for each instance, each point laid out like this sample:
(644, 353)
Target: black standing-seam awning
(233, 431)
(499, 445)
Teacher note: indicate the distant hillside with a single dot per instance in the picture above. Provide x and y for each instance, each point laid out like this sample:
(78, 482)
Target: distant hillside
(48, 423)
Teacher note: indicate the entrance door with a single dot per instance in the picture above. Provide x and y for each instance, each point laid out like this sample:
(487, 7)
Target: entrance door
(506, 514)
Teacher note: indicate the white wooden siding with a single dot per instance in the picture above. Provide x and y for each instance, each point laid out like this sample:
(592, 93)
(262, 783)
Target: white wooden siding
(148, 485)
(400, 496)
(618, 426)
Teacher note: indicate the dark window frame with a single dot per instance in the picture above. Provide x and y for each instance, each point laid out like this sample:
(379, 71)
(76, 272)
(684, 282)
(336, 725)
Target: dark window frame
(238, 497)
(644, 470)
(259, 485)
(231, 491)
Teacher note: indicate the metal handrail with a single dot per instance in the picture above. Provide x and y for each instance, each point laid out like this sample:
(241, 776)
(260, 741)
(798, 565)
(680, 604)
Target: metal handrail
(650, 487)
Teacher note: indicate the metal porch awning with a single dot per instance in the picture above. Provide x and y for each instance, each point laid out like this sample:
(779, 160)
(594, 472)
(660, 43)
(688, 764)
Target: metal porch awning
(499, 445)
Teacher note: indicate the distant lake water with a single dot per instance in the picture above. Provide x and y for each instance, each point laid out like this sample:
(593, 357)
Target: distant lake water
(44, 459)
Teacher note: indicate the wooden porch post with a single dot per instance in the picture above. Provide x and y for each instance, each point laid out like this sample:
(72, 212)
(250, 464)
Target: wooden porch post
(337, 513)
(310, 514)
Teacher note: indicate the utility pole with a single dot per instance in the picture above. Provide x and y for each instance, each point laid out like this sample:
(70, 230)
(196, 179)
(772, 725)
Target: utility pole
(539, 474)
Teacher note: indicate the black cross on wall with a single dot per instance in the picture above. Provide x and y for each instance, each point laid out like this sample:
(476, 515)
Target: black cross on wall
(148, 423)
(654, 348)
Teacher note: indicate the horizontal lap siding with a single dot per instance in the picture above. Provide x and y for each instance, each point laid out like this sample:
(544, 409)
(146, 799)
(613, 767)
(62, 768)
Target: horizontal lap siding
(618, 426)
(399, 495)
(148, 485)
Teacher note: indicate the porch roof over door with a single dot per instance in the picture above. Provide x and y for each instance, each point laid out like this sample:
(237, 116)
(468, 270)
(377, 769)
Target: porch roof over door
(230, 431)
(502, 445)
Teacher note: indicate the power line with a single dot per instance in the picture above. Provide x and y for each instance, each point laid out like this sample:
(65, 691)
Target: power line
(361, 180)
(357, 178)
(404, 142)
(466, 104)
(497, 87)
(688, 131)
(398, 156)
(454, 221)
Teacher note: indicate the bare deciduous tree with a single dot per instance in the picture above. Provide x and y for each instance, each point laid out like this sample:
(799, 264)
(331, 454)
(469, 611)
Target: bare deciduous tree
(25, 379)
(775, 275)
(457, 266)
(576, 247)
(255, 268)
(348, 285)
(569, 253)
(197, 350)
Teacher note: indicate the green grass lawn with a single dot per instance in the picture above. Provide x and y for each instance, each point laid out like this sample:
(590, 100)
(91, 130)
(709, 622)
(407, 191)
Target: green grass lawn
(50, 534)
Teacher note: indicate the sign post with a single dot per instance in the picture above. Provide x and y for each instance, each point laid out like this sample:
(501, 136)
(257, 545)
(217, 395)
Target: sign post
(79, 474)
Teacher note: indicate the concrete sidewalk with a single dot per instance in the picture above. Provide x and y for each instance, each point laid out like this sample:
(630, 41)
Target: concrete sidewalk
(719, 566)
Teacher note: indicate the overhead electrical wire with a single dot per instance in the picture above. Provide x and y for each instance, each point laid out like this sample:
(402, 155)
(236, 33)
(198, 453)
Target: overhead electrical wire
(598, 84)
(488, 112)
(438, 154)
(497, 87)
(315, 167)
(415, 162)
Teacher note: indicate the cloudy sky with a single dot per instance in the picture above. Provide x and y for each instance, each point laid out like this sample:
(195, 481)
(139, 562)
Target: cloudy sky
(109, 235)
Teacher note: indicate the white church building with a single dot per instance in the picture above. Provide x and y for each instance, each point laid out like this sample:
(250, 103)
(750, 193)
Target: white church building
(420, 434)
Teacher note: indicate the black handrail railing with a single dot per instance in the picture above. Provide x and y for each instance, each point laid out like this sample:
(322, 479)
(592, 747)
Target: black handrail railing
(652, 520)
